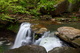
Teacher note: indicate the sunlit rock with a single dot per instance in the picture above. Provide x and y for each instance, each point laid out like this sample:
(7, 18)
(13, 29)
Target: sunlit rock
(70, 35)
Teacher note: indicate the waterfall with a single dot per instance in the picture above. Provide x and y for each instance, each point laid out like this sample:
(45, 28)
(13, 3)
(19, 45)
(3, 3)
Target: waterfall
(48, 40)
(23, 35)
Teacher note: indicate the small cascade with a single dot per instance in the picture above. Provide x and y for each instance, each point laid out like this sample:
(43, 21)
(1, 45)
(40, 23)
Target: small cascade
(23, 36)
(37, 42)
(48, 41)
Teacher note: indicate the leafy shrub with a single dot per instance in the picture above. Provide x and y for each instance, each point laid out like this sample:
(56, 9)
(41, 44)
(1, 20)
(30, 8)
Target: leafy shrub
(6, 17)
(34, 12)
(73, 1)
(47, 4)
(8, 7)
(14, 28)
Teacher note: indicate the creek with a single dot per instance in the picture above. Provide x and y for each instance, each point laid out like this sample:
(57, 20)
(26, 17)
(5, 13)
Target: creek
(42, 43)
(24, 37)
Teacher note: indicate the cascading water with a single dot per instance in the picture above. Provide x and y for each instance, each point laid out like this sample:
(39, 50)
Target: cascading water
(37, 42)
(21, 36)
(47, 40)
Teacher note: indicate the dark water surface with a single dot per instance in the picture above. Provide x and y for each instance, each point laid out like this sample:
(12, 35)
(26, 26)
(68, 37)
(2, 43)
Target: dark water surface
(71, 24)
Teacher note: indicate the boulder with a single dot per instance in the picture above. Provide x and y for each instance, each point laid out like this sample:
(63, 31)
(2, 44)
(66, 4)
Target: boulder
(70, 35)
(42, 30)
(60, 7)
(76, 42)
(28, 49)
(64, 50)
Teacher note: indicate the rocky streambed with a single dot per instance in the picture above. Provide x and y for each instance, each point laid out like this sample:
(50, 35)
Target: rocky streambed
(69, 34)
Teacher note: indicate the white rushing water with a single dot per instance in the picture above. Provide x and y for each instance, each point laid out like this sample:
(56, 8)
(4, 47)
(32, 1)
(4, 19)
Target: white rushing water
(23, 35)
(48, 40)
(37, 42)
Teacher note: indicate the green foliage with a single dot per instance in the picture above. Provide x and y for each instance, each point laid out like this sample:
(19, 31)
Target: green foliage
(74, 17)
(73, 1)
(8, 7)
(47, 4)
(34, 12)
(18, 9)
(6, 17)
(13, 27)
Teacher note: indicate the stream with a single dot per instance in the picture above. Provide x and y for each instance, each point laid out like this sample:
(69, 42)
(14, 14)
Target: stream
(51, 27)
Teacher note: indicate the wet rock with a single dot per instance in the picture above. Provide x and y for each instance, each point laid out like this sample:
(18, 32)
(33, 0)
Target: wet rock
(28, 49)
(1, 42)
(45, 17)
(70, 34)
(76, 42)
(37, 26)
(64, 50)
(53, 20)
(42, 30)
(64, 19)
(9, 44)
(56, 33)
(56, 21)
